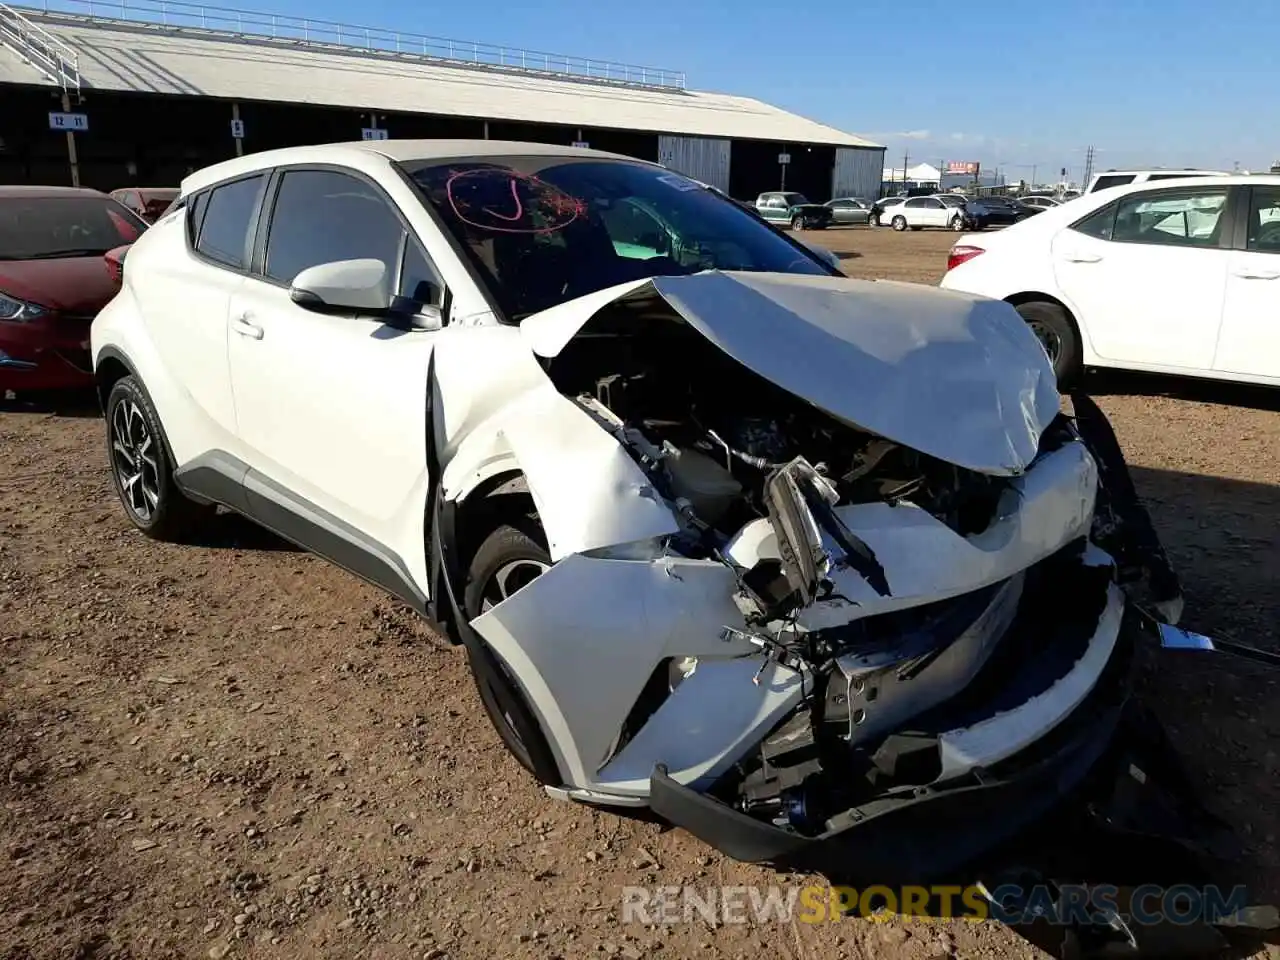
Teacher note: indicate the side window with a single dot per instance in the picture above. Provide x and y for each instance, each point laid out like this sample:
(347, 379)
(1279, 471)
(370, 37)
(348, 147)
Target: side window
(195, 215)
(1099, 224)
(418, 279)
(777, 203)
(1116, 180)
(224, 227)
(1264, 220)
(321, 216)
(933, 204)
(1181, 219)
(841, 204)
(915, 203)
(633, 226)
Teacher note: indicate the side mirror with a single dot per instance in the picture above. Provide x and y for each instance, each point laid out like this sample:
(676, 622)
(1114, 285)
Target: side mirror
(360, 286)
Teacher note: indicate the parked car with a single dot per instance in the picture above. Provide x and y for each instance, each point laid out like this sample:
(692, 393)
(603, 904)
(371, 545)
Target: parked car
(147, 202)
(1180, 277)
(53, 280)
(1120, 178)
(917, 213)
(793, 209)
(997, 212)
(849, 210)
(1043, 201)
(428, 361)
(879, 208)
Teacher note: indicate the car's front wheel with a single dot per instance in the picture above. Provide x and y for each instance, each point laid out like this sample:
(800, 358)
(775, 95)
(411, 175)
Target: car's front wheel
(899, 223)
(957, 224)
(141, 470)
(797, 222)
(1057, 335)
(510, 558)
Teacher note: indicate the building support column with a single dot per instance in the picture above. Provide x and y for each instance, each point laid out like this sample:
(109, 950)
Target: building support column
(486, 129)
(71, 143)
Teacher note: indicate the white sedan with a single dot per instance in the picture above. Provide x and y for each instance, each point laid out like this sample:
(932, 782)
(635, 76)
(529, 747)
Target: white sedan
(920, 212)
(1179, 277)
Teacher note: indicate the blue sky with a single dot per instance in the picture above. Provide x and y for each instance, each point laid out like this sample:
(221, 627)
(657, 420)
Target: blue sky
(1014, 84)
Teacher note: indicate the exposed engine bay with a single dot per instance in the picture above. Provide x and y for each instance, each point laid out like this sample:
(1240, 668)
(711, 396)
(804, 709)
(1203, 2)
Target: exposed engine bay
(711, 433)
(730, 448)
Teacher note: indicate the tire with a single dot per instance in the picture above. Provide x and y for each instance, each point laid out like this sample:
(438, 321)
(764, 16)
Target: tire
(797, 222)
(899, 223)
(957, 224)
(142, 468)
(1057, 334)
(500, 694)
(873, 221)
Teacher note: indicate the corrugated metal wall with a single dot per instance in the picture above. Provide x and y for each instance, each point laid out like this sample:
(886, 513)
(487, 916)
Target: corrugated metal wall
(857, 173)
(698, 157)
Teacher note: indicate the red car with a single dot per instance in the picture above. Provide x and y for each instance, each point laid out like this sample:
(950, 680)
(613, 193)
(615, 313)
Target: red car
(147, 202)
(54, 278)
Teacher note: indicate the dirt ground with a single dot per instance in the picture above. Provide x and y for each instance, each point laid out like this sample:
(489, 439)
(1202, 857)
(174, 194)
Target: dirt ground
(238, 750)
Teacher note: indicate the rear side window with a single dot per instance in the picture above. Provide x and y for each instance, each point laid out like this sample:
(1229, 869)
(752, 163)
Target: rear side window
(1116, 180)
(224, 226)
(1099, 224)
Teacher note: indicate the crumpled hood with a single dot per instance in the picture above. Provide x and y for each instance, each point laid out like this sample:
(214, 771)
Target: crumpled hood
(955, 376)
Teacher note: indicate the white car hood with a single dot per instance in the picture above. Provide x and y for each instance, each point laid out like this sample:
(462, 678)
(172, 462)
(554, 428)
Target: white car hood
(955, 376)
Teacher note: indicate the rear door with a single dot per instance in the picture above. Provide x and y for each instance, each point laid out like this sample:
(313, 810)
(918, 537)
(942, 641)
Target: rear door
(1249, 343)
(1146, 275)
(185, 300)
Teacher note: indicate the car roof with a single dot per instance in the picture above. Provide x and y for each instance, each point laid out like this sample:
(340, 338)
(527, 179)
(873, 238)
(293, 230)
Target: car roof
(398, 151)
(11, 191)
(1235, 179)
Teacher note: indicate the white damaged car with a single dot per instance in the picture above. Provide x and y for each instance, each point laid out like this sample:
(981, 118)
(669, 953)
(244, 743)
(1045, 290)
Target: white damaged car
(813, 567)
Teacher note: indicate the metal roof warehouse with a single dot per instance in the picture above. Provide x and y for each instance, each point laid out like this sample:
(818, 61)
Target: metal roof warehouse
(111, 94)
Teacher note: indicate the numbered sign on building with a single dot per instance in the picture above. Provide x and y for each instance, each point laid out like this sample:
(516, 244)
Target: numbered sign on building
(581, 143)
(237, 129)
(77, 122)
(372, 133)
(784, 158)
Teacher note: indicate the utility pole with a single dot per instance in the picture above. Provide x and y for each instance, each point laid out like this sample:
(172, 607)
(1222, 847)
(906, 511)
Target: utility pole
(905, 157)
(1088, 168)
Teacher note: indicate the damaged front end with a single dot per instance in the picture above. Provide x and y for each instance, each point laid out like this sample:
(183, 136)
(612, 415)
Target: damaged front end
(892, 617)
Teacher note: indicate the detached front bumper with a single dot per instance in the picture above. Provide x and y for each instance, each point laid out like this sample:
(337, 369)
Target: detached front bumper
(914, 833)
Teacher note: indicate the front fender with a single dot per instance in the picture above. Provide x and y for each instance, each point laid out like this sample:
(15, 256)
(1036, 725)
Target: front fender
(497, 412)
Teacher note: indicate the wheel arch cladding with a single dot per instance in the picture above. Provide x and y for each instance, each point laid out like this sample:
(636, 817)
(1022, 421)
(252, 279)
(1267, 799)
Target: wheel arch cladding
(112, 367)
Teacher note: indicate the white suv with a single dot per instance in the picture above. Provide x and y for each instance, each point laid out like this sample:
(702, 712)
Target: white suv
(660, 468)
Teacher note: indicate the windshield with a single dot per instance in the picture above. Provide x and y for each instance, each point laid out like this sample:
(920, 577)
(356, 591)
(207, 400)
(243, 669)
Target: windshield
(44, 228)
(795, 199)
(542, 230)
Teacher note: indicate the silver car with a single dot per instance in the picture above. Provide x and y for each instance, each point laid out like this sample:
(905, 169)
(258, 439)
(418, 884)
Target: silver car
(849, 210)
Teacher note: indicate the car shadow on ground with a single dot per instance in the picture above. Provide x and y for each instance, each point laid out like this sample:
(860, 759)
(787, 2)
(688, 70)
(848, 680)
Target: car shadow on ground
(76, 404)
(230, 531)
(1108, 382)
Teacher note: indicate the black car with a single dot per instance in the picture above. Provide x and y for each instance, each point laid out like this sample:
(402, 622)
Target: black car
(997, 211)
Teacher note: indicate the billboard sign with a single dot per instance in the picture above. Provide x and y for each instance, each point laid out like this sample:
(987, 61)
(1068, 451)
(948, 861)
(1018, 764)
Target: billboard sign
(962, 167)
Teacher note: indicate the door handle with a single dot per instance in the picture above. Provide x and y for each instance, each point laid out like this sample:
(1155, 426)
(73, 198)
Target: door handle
(1247, 274)
(1082, 257)
(247, 328)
